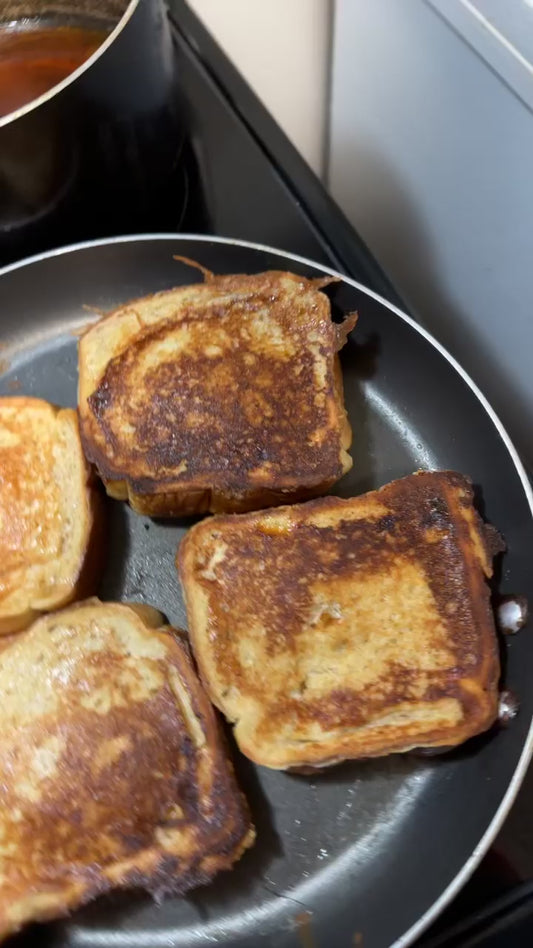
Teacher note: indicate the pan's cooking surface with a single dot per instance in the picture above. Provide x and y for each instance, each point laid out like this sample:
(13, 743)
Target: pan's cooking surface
(368, 847)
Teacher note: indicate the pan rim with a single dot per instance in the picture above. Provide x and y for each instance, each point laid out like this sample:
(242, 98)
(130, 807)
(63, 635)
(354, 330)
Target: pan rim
(492, 830)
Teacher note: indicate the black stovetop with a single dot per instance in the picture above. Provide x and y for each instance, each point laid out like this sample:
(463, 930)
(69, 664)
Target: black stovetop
(245, 180)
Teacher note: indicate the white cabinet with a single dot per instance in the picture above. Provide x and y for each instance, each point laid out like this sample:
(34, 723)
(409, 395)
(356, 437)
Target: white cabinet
(431, 156)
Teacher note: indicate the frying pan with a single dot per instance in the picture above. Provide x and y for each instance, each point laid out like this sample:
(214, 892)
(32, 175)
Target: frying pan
(369, 852)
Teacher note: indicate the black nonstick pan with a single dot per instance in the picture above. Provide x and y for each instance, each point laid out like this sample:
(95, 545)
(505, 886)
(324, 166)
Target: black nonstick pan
(368, 853)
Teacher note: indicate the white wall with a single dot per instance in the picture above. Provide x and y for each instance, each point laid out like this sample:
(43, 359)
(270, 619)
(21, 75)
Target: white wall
(432, 159)
(282, 49)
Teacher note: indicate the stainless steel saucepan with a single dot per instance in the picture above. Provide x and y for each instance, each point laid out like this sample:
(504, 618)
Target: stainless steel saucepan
(98, 153)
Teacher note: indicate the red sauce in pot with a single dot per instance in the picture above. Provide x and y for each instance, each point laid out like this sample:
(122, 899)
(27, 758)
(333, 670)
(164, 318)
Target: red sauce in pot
(32, 61)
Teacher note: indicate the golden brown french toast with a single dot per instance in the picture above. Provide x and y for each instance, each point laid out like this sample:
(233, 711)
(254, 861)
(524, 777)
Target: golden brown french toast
(221, 396)
(347, 628)
(114, 773)
(50, 512)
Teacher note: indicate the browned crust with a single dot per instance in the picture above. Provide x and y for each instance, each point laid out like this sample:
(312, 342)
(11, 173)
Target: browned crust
(192, 503)
(176, 494)
(344, 423)
(456, 558)
(93, 559)
(219, 823)
(222, 280)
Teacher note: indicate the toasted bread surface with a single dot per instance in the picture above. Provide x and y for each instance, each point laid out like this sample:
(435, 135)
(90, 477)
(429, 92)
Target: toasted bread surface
(114, 771)
(50, 512)
(220, 396)
(347, 628)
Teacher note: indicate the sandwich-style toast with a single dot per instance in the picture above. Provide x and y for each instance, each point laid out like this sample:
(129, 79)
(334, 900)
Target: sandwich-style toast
(347, 628)
(221, 396)
(114, 773)
(50, 512)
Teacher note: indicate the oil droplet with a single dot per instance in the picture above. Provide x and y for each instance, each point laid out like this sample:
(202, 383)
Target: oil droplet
(508, 707)
(512, 614)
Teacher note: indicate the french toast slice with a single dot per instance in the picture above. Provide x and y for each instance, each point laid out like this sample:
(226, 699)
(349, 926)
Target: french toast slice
(114, 772)
(221, 396)
(343, 629)
(50, 512)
